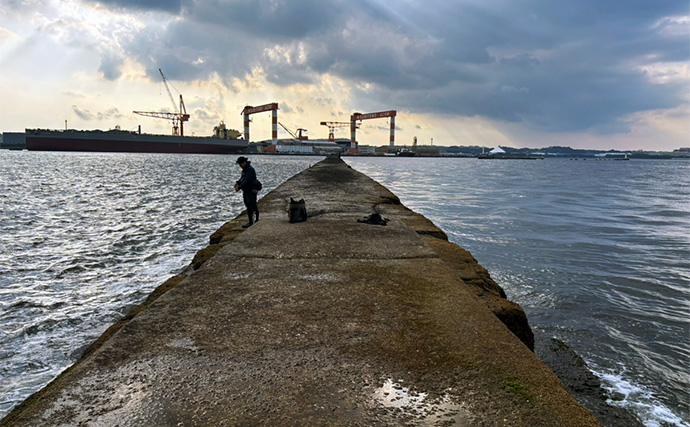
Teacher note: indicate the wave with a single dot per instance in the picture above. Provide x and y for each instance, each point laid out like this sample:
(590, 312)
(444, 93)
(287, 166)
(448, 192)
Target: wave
(638, 399)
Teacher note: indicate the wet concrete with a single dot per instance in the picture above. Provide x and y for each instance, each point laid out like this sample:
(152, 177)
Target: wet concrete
(326, 322)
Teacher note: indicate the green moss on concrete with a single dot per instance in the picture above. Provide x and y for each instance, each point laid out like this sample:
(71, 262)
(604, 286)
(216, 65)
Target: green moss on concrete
(515, 387)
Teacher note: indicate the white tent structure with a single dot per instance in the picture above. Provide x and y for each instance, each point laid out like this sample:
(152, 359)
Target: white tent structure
(497, 150)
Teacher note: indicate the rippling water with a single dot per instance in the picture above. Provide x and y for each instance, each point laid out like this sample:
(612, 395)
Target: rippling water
(84, 237)
(596, 252)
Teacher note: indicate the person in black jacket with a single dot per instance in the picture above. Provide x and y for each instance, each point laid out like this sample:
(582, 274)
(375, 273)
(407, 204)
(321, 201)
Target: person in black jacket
(248, 184)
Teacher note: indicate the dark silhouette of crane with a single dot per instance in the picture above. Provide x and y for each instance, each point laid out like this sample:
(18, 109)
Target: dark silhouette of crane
(297, 135)
(333, 126)
(178, 117)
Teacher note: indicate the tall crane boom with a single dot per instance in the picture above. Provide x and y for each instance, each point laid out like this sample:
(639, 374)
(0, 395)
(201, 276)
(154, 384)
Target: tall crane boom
(288, 131)
(298, 136)
(165, 82)
(178, 117)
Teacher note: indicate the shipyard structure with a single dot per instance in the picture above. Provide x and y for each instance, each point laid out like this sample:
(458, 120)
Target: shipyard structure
(224, 140)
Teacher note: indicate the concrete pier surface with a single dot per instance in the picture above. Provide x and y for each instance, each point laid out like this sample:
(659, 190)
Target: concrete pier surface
(325, 322)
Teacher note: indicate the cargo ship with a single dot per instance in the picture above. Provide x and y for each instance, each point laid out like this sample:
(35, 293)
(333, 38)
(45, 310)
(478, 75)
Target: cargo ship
(119, 141)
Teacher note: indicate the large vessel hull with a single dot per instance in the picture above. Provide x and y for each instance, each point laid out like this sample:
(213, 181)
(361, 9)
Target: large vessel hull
(129, 142)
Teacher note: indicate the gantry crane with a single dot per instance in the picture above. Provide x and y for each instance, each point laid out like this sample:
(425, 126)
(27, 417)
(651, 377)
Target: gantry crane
(332, 126)
(298, 135)
(178, 117)
(356, 119)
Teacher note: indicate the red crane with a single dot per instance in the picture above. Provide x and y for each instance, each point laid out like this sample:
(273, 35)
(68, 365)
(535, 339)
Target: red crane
(178, 117)
(358, 117)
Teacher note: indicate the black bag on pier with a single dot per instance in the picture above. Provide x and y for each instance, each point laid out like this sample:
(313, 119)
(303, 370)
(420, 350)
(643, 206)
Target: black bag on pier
(297, 211)
(375, 219)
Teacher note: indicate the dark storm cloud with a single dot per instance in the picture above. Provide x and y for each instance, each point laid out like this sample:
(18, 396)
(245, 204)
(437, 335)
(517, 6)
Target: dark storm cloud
(271, 19)
(557, 66)
(110, 67)
(171, 6)
(188, 50)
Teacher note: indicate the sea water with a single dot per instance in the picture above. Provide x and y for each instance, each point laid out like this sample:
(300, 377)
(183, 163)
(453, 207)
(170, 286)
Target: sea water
(595, 251)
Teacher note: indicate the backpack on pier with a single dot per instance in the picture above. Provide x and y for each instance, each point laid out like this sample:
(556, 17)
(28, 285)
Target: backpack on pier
(297, 211)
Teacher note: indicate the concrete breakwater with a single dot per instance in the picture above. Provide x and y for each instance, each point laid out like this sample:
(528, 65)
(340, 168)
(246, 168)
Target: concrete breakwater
(326, 322)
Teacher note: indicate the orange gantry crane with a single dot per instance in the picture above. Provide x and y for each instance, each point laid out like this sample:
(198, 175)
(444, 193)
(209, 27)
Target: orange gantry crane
(178, 117)
(356, 120)
(273, 108)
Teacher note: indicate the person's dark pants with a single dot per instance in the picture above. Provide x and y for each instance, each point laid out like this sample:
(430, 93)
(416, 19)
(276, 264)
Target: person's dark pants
(250, 203)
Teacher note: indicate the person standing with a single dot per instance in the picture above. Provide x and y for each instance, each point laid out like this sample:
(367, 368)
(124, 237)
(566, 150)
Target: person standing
(249, 186)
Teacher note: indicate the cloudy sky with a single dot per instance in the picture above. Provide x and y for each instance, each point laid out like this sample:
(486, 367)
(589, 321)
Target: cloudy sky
(522, 73)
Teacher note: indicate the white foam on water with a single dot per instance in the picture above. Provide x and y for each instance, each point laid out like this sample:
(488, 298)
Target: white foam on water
(638, 400)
